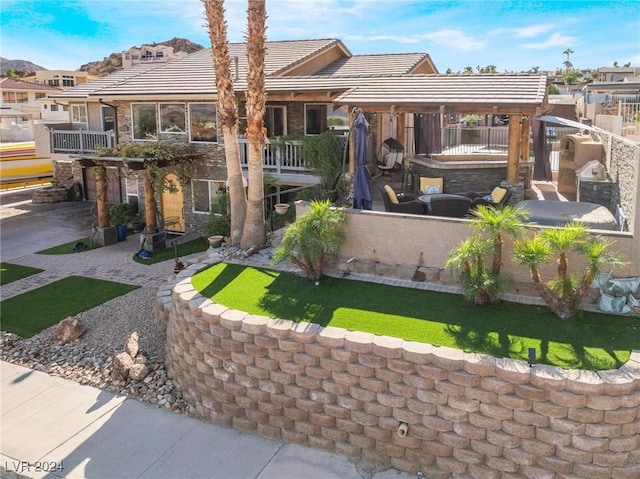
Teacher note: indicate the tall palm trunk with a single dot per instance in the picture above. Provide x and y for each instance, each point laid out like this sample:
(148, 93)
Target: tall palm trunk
(497, 255)
(150, 205)
(227, 113)
(254, 226)
(100, 173)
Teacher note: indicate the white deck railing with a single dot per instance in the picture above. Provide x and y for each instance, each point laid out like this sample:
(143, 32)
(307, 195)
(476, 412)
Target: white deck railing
(288, 158)
(80, 141)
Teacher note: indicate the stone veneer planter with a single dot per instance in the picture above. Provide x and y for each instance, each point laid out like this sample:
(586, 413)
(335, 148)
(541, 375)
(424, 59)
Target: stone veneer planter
(468, 415)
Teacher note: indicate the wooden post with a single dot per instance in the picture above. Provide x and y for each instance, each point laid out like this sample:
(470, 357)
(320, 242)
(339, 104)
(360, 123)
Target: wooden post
(513, 157)
(401, 133)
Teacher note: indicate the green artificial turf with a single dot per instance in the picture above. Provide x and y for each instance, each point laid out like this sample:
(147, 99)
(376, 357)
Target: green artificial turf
(12, 272)
(190, 247)
(67, 248)
(31, 312)
(592, 341)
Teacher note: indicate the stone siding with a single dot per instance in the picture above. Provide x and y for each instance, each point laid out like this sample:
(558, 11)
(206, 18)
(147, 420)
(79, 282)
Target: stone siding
(467, 415)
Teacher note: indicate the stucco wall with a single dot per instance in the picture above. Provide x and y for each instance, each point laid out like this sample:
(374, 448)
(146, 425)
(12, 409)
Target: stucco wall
(413, 240)
(467, 415)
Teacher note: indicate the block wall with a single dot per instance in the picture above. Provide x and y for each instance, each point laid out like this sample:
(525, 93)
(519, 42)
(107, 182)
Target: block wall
(467, 415)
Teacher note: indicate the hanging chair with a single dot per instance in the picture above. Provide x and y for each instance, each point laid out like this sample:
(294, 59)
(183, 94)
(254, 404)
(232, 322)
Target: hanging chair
(390, 155)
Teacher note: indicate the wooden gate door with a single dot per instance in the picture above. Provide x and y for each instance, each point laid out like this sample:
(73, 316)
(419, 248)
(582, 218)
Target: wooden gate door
(172, 205)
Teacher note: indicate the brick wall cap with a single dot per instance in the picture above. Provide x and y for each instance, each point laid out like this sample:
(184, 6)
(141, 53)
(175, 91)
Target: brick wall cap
(280, 324)
(446, 352)
(199, 302)
(388, 342)
(256, 320)
(479, 358)
(544, 371)
(634, 357)
(359, 337)
(233, 315)
(631, 370)
(418, 348)
(187, 296)
(214, 309)
(617, 376)
(303, 327)
(513, 365)
(333, 332)
(585, 377)
(183, 286)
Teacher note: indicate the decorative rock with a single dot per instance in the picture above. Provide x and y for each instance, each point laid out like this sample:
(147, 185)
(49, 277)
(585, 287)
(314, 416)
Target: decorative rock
(138, 371)
(131, 345)
(69, 329)
(121, 365)
(141, 359)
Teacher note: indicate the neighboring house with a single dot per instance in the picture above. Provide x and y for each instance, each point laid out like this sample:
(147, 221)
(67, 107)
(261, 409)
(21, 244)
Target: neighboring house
(149, 54)
(616, 74)
(61, 78)
(312, 86)
(31, 99)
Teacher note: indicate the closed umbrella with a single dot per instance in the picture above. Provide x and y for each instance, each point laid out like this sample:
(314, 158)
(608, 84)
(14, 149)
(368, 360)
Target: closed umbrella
(362, 179)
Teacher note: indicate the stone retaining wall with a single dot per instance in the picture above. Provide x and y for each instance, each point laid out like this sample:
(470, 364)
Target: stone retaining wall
(467, 415)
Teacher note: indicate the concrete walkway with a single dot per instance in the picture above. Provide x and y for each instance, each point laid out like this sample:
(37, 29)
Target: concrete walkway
(53, 427)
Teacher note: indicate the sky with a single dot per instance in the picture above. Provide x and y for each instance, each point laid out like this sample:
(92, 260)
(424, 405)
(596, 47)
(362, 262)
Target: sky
(513, 35)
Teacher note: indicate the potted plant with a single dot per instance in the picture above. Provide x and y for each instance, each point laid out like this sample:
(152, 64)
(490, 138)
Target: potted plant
(219, 225)
(121, 214)
(323, 156)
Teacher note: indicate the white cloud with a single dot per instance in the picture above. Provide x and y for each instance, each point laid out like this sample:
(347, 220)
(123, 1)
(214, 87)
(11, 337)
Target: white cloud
(454, 40)
(530, 31)
(555, 40)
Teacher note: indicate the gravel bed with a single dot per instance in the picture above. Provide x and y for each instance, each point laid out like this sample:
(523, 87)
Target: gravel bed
(88, 360)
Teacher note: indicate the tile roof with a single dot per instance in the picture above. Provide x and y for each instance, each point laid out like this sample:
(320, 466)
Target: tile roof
(169, 78)
(13, 84)
(392, 63)
(438, 90)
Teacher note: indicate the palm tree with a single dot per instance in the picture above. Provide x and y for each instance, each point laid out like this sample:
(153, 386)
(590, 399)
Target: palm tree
(254, 231)
(497, 222)
(564, 294)
(479, 286)
(313, 239)
(228, 114)
(567, 52)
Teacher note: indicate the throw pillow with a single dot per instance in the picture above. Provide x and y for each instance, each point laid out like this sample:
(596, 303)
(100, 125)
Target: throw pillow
(391, 194)
(432, 190)
(498, 193)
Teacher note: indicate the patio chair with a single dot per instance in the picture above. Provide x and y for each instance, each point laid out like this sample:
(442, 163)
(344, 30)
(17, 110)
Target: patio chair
(429, 186)
(394, 203)
(498, 197)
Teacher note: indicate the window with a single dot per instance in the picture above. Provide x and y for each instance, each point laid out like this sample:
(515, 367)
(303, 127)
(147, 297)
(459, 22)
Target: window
(79, 113)
(144, 121)
(22, 97)
(65, 107)
(8, 96)
(203, 193)
(53, 82)
(173, 118)
(320, 117)
(54, 107)
(203, 125)
(274, 121)
(68, 80)
(40, 95)
(108, 118)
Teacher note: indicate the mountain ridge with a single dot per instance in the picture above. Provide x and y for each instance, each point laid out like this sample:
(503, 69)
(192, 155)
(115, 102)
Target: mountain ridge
(99, 67)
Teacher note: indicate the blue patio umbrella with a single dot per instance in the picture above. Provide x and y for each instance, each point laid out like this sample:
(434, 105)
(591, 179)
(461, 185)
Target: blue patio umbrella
(362, 179)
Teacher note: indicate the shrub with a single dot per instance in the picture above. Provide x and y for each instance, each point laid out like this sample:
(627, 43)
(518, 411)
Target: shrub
(313, 239)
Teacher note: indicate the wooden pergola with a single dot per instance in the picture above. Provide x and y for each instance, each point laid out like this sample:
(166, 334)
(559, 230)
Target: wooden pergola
(519, 96)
